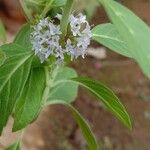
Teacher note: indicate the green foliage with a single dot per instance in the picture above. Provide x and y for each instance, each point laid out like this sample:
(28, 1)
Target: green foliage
(26, 85)
(108, 98)
(37, 6)
(13, 76)
(133, 30)
(104, 95)
(58, 3)
(63, 91)
(15, 146)
(86, 131)
(23, 37)
(31, 100)
(2, 57)
(2, 32)
(107, 35)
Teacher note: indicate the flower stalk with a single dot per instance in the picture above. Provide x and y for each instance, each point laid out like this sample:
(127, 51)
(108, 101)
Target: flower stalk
(65, 18)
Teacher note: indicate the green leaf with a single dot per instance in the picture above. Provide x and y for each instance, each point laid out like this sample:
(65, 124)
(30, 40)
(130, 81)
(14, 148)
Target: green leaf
(16, 57)
(31, 100)
(107, 35)
(13, 75)
(105, 95)
(35, 6)
(133, 30)
(58, 3)
(67, 91)
(86, 130)
(2, 57)
(15, 146)
(108, 98)
(2, 32)
(23, 37)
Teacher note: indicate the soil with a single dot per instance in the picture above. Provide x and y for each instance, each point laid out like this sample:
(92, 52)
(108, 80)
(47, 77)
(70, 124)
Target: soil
(55, 129)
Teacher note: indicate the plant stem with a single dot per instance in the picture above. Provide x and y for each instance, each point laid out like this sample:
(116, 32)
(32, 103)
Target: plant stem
(47, 8)
(47, 88)
(50, 77)
(65, 17)
(26, 11)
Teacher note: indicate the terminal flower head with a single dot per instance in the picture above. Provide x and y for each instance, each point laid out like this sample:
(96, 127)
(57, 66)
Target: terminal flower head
(46, 38)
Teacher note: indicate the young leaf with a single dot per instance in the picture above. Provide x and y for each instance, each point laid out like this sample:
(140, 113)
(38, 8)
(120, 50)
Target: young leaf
(86, 130)
(108, 98)
(13, 76)
(23, 37)
(58, 3)
(66, 91)
(31, 101)
(2, 32)
(107, 35)
(133, 30)
(15, 146)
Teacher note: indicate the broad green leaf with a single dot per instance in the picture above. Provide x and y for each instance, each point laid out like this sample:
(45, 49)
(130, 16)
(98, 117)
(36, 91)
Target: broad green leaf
(66, 91)
(133, 30)
(108, 98)
(107, 35)
(31, 100)
(23, 37)
(86, 130)
(2, 32)
(13, 75)
(16, 57)
(2, 57)
(15, 146)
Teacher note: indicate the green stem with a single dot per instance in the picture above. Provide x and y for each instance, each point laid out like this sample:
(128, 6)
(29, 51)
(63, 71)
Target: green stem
(65, 18)
(26, 11)
(47, 8)
(47, 88)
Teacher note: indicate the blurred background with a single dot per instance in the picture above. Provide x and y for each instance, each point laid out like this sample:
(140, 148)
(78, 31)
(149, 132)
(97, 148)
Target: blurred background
(55, 129)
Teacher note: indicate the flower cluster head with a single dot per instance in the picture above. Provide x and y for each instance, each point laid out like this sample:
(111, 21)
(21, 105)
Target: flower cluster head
(46, 38)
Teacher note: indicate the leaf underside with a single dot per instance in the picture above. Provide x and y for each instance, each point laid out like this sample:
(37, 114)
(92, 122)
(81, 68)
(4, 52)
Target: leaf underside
(133, 31)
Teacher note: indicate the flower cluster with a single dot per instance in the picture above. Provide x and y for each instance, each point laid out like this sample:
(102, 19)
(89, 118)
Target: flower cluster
(46, 39)
(80, 29)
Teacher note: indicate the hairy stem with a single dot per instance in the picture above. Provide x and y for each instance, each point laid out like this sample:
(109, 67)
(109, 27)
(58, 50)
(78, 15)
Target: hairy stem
(47, 88)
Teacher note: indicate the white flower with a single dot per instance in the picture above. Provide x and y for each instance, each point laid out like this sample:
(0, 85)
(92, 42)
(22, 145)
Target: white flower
(81, 31)
(76, 23)
(46, 39)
